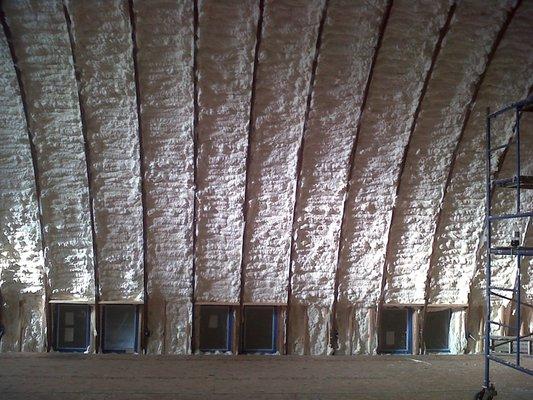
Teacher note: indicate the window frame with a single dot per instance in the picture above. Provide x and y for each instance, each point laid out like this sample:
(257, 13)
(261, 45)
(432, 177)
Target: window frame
(445, 350)
(229, 329)
(57, 322)
(408, 333)
(274, 347)
(102, 327)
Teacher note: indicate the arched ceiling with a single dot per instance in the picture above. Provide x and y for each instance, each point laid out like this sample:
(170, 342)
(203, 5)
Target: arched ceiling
(324, 154)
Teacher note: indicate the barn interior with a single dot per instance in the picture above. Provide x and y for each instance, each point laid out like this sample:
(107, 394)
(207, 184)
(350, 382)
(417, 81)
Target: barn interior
(266, 199)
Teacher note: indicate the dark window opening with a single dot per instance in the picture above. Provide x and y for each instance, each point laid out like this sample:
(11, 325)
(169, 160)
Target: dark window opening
(120, 328)
(436, 331)
(216, 326)
(260, 329)
(396, 331)
(72, 322)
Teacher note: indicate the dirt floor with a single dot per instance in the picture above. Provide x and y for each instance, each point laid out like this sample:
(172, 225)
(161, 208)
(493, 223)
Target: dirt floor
(128, 377)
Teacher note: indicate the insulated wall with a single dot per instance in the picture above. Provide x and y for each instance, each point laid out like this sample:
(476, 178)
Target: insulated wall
(283, 79)
(226, 42)
(164, 37)
(103, 51)
(460, 228)
(42, 47)
(385, 129)
(21, 260)
(348, 42)
(457, 73)
(323, 156)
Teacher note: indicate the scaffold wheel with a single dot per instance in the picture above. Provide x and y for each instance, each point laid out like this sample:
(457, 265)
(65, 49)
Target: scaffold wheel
(486, 393)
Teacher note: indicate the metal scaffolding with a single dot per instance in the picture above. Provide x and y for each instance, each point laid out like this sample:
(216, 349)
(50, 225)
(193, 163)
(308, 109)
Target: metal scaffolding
(518, 183)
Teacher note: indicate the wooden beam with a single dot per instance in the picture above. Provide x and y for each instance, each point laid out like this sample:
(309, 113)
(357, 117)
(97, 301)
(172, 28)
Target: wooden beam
(195, 169)
(258, 37)
(89, 176)
(299, 163)
(144, 328)
(351, 163)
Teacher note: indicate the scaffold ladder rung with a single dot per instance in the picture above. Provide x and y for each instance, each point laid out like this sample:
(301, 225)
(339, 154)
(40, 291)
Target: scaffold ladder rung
(525, 182)
(510, 216)
(502, 289)
(512, 251)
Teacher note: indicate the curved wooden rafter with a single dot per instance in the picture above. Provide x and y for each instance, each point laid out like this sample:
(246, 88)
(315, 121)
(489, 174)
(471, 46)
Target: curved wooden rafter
(351, 162)
(258, 37)
(444, 30)
(195, 168)
(142, 170)
(299, 164)
(468, 113)
(89, 173)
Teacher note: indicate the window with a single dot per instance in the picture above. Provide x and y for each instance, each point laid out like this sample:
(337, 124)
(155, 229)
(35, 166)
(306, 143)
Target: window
(216, 325)
(395, 331)
(436, 331)
(120, 328)
(260, 327)
(72, 323)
